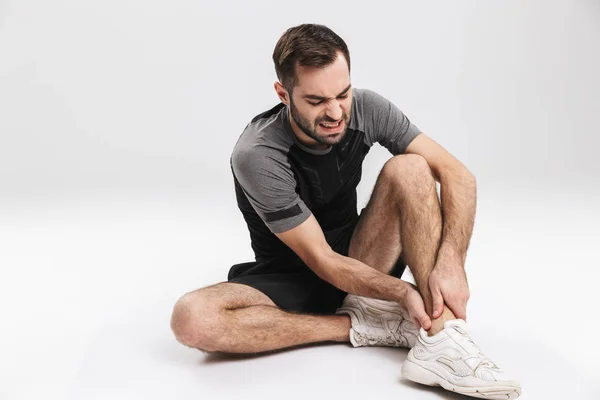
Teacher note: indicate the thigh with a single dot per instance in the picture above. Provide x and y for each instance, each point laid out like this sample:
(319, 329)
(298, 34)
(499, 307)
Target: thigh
(229, 296)
(290, 284)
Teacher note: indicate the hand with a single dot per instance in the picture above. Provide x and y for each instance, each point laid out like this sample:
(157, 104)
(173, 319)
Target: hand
(413, 302)
(448, 284)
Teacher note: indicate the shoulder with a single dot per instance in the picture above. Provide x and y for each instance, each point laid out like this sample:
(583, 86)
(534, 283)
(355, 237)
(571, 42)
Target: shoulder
(263, 139)
(367, 106)
(369, 100)
(264, 135)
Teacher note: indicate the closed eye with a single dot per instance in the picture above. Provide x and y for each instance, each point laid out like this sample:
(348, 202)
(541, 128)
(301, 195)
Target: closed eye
(321, 102)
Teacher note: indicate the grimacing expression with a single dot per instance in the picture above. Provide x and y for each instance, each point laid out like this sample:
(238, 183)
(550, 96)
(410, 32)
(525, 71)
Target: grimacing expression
(321, 103)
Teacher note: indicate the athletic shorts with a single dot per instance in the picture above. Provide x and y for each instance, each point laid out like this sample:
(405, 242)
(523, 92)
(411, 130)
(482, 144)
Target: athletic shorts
(292, 285)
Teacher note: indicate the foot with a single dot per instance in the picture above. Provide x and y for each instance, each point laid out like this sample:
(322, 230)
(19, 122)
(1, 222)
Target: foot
(452, 360)
(378, 322)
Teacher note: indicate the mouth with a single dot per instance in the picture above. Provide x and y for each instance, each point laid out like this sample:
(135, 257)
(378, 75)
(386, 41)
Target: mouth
(332, 128)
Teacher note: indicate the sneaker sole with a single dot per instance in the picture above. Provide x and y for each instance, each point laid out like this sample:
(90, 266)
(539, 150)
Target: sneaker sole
(418, 374)
(386, 306)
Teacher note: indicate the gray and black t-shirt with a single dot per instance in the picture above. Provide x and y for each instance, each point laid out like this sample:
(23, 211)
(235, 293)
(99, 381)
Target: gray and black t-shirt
(279, 182)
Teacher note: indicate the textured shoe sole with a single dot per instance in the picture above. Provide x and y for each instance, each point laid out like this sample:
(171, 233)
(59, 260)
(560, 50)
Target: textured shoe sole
(416, 373)
(357, 307)
(386, 306)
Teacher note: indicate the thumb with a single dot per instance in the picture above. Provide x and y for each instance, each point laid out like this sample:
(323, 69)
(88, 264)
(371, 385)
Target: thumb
(424, 320)
(438, 302)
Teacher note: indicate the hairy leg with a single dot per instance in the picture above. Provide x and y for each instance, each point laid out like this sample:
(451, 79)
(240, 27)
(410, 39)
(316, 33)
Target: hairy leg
(403, 217)
(235, 318)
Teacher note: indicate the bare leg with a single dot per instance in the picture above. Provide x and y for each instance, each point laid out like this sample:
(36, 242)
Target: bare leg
(403, 217)
(235, 318)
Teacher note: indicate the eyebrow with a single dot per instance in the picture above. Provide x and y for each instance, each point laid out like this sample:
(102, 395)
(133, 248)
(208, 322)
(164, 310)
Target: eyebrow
(315, 97)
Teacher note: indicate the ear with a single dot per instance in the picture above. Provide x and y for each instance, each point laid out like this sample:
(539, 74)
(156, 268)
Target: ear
(282, 93)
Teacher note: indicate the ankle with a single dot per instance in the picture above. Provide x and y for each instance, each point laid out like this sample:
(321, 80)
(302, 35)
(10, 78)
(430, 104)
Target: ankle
(437, 325)
(345, 324)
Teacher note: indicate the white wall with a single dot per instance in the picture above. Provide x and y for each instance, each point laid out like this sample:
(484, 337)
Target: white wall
(152, 95)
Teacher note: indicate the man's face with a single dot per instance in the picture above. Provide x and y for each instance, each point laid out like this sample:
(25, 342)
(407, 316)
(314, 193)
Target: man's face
(320, 104)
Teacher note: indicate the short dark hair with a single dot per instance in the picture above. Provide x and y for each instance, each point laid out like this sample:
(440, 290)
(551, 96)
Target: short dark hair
(309, 45)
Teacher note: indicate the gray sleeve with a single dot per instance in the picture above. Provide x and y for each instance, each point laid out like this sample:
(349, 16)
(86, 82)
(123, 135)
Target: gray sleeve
(269, 184)
(386, 124)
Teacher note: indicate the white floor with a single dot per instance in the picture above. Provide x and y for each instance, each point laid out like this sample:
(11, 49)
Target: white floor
(89, 280)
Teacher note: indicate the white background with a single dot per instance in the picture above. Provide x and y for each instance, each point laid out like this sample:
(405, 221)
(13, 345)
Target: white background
(117, 120)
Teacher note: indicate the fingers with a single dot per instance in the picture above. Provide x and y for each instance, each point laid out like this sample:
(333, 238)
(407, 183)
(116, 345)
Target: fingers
(424, 320)
(421, 315)
(458, 309)
(438, 302)
(416, 309)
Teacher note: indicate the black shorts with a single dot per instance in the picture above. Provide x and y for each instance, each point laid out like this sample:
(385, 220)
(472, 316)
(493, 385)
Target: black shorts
(292, 285)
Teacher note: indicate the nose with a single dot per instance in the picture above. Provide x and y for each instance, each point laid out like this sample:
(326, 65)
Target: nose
(334, 110)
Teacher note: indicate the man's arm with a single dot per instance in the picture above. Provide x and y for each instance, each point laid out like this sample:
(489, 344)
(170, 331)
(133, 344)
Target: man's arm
(448, 280)
(458, 192)
(350, 275)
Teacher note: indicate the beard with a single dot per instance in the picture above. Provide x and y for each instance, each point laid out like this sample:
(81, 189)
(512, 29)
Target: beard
(310, 128)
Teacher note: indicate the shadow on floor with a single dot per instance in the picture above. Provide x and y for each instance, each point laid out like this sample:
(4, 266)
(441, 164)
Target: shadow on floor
(437, 390)
(219, 357)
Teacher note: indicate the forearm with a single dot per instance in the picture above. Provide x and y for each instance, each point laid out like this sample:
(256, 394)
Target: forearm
(353, 276)
(458, 194)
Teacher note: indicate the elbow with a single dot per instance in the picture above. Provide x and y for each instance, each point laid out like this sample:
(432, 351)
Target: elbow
(463, 177)
(323, 264)
(464, 174)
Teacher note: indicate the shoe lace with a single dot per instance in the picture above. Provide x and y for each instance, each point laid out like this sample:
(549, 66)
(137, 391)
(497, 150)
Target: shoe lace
(484, 360)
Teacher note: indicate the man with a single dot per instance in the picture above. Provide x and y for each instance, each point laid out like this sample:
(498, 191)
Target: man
(324, 273)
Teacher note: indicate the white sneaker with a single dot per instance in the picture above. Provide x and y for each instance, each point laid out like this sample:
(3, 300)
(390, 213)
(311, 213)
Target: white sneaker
(378, 322)
(452, 360)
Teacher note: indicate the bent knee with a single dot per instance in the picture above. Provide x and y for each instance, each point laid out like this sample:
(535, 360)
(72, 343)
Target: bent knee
(409, 170)
(406, 163)
(195, 322)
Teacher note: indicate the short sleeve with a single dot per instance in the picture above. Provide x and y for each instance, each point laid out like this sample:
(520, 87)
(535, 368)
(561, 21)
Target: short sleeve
(386, 124)
(267, 180)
